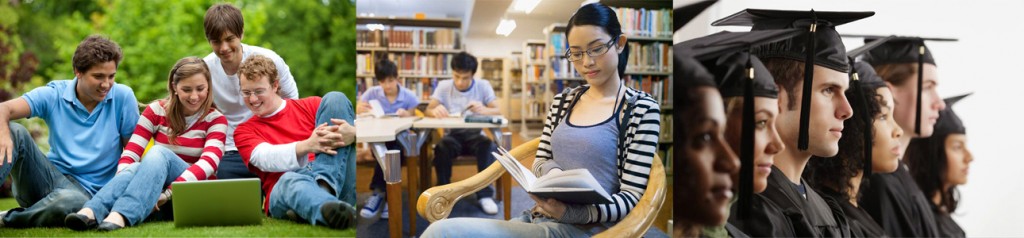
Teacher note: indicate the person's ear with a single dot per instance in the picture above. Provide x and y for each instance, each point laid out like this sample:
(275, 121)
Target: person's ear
(78, 74)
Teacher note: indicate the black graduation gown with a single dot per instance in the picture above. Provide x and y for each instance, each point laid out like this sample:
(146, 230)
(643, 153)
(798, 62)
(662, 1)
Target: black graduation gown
(861, 223)
(766, 220)
(898, 205)
(735, 232)
(947, 227)
(814, 216)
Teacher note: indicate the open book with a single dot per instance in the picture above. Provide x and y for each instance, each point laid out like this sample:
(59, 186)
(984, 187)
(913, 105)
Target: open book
(571, 186)
(377, 110)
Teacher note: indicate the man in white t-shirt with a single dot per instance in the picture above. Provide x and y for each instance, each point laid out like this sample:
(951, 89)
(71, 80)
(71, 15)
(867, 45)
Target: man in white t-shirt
(224, 30)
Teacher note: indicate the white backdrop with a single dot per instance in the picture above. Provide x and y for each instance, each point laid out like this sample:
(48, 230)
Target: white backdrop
(985, 61)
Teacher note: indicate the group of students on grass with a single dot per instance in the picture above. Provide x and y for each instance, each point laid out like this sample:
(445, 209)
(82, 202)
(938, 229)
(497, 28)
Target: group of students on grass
(816, 140)
(621, 125)
(233, 114)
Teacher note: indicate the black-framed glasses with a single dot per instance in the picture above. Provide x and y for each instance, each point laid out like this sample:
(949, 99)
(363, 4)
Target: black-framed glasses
(592, 52)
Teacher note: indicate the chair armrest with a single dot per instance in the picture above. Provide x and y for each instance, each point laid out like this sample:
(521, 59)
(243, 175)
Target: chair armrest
(436, 203)
(636, 223)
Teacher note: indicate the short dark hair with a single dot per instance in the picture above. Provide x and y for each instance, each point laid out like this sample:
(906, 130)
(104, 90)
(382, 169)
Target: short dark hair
(836, 172)
(222, 18)
(597, 14)
(385, 69)
(464, 62)
(788, 73)
(95, 50)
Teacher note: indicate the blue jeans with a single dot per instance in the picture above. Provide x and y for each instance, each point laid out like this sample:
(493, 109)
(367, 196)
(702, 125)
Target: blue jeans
(526, 225)
(135, 190)
(232, 167)
(299, 190)
(44, 193)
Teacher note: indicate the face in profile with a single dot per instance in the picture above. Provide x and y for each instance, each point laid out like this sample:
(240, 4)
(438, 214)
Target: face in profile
(886, 149)
(829, 108)
(958, 158)
(709, 163)
(767, 142)
(905, 96)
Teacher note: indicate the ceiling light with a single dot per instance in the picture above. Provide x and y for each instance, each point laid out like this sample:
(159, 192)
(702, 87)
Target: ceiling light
(505, 27)
(526, 6)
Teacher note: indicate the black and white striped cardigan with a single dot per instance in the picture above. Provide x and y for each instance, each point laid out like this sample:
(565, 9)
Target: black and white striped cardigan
(637, 145)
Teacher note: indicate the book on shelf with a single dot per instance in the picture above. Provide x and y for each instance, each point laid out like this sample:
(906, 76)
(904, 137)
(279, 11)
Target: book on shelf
(571, 186)
(649, 57)
(666, 131)
(421, 63)
(369, 38)
(533, 73)
(440, 39)
(657, 86)
(535, 52)
(645, 22)
(365, 64)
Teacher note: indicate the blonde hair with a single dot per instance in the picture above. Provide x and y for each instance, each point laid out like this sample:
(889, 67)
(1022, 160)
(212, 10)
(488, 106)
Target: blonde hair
(186, 67)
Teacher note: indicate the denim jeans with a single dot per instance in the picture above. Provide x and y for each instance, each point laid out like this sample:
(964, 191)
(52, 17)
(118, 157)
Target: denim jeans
(135, 190)
(43, 192)
(526, 225)
(232, 167)
(299, 190)
(463, 142)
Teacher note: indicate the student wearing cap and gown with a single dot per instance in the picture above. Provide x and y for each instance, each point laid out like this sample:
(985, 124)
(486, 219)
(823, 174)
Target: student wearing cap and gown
(938, 164)
(704, 163)
(811, 71)
(750, 133)
(870, 144)
(894, 200)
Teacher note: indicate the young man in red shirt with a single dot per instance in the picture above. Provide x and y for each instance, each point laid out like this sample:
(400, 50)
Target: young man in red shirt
(300, 148)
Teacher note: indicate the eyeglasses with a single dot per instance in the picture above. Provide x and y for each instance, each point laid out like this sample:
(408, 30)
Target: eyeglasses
(592, 52)
(257, 92)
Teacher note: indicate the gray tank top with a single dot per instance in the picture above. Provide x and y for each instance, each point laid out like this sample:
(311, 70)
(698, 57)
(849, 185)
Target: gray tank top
(590, 147)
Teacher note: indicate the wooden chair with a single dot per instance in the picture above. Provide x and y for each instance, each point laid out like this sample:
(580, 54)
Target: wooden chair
(436, 203)
(502, 189)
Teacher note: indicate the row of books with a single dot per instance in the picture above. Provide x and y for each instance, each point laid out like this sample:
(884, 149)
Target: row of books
(446, 39)
(534, 52)
(533, 73)
(645, 22)
(660, 87)
(655, 57)
(408, 63)
(562, 68)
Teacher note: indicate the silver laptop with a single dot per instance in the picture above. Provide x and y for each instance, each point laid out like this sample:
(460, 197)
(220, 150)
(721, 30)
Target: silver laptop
(225, 202)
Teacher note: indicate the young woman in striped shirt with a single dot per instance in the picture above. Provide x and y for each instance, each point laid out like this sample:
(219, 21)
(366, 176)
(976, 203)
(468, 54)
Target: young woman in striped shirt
(622, 126)
(188, 139)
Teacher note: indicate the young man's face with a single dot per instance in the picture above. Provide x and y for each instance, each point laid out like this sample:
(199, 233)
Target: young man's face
(228, 48)
(829, 108)
(906, 102)
(462, 79)
(260, 97)
(95, 83)
(390, 85)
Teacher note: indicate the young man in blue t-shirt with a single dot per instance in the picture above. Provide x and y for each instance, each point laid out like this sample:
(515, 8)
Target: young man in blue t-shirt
(463, 95)
(90, 119)
(394, 99)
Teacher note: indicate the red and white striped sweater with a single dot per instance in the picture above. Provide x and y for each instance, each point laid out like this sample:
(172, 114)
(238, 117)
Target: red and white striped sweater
(201, 145)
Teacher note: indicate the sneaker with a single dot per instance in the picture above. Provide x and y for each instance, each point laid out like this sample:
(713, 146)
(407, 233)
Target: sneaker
(338, 215)
(384, 214)
(372, 205)
(488, 205)
(2, 216)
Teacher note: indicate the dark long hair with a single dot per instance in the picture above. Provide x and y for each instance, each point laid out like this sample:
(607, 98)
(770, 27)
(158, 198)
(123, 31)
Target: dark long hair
(597, 14)
(835, 172)
(927, 160)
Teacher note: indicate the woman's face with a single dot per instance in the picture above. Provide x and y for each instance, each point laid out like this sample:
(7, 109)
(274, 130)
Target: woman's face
(710, 164)
(594, 53)
(959, 159)
(767, 142)
(885, 152)
(192, 92)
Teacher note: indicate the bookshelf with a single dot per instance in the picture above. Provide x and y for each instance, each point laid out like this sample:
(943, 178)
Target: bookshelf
(534, 86)
(421, 48)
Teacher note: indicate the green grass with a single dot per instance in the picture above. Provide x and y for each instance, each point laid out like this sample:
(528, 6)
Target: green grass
(271, 227)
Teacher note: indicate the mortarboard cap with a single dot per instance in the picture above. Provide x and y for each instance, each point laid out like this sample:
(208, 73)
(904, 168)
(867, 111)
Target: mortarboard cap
(819, 45)
(685, 14)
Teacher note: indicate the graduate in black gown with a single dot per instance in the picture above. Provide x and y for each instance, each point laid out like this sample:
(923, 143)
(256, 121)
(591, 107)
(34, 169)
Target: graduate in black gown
(939, 163)
(811, 73)
(744, 81)
(894, 199)
(870, 144)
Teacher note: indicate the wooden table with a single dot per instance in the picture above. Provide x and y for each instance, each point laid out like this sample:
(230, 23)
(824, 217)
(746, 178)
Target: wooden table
(426, 126)
(376, 132)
